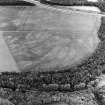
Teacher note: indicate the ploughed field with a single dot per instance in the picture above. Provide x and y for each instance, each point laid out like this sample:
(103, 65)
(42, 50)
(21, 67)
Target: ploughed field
(41, 39)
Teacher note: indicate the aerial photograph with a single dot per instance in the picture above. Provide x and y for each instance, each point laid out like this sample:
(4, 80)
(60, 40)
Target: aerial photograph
(52, 52)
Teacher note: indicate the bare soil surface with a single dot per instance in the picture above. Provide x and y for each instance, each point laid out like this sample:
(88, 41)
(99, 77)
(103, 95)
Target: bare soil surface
(46, 39)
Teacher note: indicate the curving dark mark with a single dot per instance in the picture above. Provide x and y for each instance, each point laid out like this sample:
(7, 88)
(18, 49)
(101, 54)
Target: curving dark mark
(15, 2)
